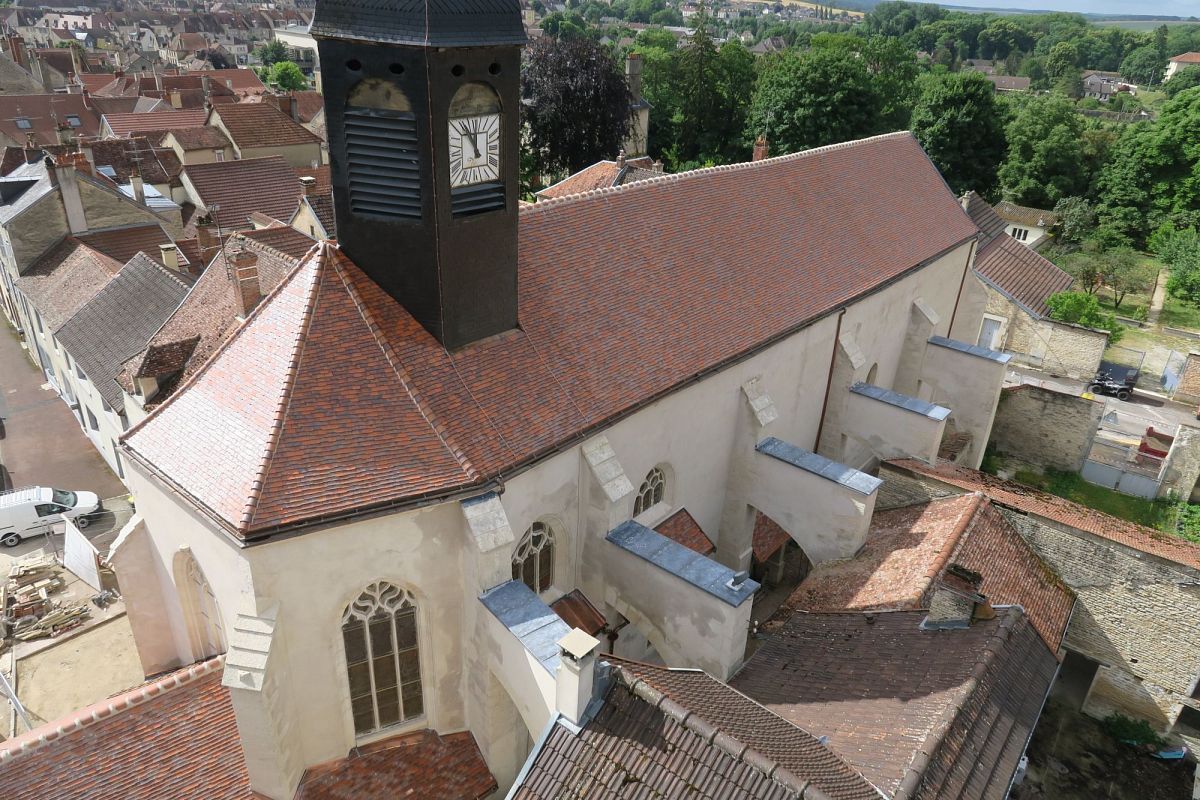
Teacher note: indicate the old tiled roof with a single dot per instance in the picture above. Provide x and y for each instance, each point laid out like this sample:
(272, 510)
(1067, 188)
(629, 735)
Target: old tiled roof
(908, 549)
(579, 280)
(262, 125)
(1186, 58)
(1021, 274)
(1057, 509)
(308, 105)
(65, 278)
(929, 714)
(577, 611)
(983, 215)
(1011, 82)
(119, 320)
(128, 124)
(683, 528)
(768, 537)
(1024, 215)
(322, 208)
(322, 174)
(45, 113)
(199, 137)
(601, 175)
(421, 764)
(649, 742)
(267, 185)
(122, 244)
(426, 23)
(173, 737)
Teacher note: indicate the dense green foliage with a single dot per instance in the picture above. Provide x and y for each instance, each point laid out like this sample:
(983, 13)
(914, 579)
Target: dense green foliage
(957, 121)
(1130, 731)
(271, 52)
(1181, 80)
(286, 76)
(1082, 308)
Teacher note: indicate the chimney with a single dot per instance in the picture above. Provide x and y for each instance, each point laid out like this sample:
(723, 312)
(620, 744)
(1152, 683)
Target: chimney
(293, 109)
(621, 159)
(956, 600)
(118, 74)
(657, 166)
(573, 680)
(63, 171)
(72, 83)
(138, 185)
(206, 237)
(169, 255)
(247, 288)
(310, 185)
(87, 98)
(761, 150)
(176, 99)
(229, 84)
(633, 75)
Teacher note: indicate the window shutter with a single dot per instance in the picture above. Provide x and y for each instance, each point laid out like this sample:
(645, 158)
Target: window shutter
(383, 162)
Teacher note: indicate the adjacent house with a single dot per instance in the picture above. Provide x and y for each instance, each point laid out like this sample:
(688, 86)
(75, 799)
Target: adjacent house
(46, 119)
(1103, 85)
(1181, 61)
(1030, 226)
(256, 130)
(604, 174)
(1010, 83)
(228, 192)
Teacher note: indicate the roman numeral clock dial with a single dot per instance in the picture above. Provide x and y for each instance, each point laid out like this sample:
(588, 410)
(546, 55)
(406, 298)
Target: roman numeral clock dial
(474, 150)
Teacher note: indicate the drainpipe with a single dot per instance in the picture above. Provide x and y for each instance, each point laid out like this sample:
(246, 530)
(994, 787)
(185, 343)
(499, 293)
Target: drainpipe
(837, 335)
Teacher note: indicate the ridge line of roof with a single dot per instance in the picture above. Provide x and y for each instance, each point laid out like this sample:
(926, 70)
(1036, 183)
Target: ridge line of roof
(32, 741)
(555, 202)
(284, 403)
(397, 365)
(953, 542)
(915, 771)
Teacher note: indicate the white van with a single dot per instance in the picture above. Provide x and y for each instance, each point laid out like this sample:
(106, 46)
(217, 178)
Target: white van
(30, 511)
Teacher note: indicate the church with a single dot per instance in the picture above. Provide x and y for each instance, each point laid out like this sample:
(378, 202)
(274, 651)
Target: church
(475, 442)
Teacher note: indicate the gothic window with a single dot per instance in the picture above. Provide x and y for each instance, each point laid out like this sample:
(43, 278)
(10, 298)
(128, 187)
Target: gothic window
(206, 633)
(379, 631)
(382, 156)
(652, 491)
(533, 560)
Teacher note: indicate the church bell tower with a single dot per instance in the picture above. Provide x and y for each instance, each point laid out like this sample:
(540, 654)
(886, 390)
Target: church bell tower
(421, 107)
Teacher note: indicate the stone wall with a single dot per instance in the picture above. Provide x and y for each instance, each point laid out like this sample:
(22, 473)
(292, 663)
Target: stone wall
(1072, 350)
(1183, 464)
(1045, 428)
(1188, 390)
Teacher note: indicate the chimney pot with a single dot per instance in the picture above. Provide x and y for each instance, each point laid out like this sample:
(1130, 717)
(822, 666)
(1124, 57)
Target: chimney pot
(761, 149)
(621, 159)
(310, 185)
(573, 680)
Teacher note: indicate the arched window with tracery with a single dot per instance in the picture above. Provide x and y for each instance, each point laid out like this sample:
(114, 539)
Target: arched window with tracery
(379, 631)
(533, 560)
(652, 491)
(206, 633)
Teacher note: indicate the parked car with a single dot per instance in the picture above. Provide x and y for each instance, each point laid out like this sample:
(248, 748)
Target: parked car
(30, 511)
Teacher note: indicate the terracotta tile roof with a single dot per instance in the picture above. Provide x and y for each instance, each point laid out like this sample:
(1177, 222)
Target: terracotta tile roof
(1187, 58)
(262, 125)
(935, 714)
(578, 281)
(242, 81)
(308, 105)
(1024, 215)
(908, 549)
(122, 244)
(322, 174)
(267, 185)
(322, 208)
(44, 113)
(200, 137)
(119, 320)
(1022, 498)
(421, 764)
(1010, 82)
(577, 611)
(650, 742)
(682, 527)
(768, 537)
(983, 215)
(173, 737)
(1021, 274)
(601, 175)
(65, 278)
(128, 124)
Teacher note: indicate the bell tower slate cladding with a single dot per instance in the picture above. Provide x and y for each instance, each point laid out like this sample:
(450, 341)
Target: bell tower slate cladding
(421, 103)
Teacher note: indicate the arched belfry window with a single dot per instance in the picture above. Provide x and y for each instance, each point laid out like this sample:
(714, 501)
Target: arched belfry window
(533, 560)
(383, 160)
(206, 633)
(476, 150)
(379, 631)
(652, 491)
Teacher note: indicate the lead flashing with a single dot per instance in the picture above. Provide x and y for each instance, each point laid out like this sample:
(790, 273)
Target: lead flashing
(971, 349)
(913, 404)
(529, 619)
(819, 465)
(686, 564)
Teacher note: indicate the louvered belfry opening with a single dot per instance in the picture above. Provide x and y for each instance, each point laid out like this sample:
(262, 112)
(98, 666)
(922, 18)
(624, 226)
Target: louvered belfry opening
(383, 162)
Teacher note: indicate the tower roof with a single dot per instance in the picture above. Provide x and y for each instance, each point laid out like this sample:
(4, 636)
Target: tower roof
(422, 23)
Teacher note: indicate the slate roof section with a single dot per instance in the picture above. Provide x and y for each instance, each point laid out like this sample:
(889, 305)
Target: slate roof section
(578, 278)
(982, 214)
(173, 737)
(420, 764)
(645, 742)
(908, 549)
(913, 404)
(955, 728)
(266, 185)
(529, 619)
(809, 461)
(682, 528)
(119, 320)
(970, 349)
(686, 564)
(427, 23)
(1032, 501)
(261, 125)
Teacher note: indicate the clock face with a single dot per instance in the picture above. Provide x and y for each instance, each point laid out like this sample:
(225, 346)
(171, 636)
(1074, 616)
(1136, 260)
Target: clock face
(474, 149)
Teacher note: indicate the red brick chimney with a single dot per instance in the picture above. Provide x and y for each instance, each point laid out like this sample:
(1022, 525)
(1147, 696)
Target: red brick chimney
(310, 185)
(761, 150)
(247, 288)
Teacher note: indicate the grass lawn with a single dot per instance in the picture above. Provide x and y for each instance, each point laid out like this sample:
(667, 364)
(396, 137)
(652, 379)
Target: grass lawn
(1179, 519)
(1177, 314)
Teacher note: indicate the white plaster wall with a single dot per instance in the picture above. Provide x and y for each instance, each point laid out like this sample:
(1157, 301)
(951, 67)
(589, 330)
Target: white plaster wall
(970, 387)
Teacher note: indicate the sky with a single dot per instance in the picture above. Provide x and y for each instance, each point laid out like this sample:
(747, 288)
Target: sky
(1175, 8)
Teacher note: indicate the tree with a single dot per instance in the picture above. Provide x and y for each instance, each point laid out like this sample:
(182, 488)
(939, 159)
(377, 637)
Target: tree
(1125, 271)
(1078, 308)
(1183, 281)
(271, 52)
(1063, 60)
(957, 121)
(1144, 66)
(287, 76)
(1181, 80)
(576, 103)
(1045, 161)
(1076, 219)
(813, 99)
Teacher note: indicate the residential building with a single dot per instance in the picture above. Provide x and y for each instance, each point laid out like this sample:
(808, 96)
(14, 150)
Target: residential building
(604, 174)
(228, 192)
(1181, 61)
(1103, 85)
(1009, 83)
(46, 119)
(159, 121)
(1032, 227)
(257, 130)
(198, 145)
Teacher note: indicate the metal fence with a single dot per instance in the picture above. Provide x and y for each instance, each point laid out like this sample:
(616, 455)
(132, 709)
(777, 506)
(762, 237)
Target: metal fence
(1128, 454)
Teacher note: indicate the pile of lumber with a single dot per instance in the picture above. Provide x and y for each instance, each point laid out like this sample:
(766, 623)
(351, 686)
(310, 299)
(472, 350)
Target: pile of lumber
(56, 620)
(28, 610)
